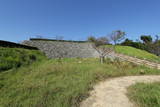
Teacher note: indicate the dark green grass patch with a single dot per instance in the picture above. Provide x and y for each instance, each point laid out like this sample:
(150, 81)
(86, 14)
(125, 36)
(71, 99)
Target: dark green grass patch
(145, 94)
(16, 57)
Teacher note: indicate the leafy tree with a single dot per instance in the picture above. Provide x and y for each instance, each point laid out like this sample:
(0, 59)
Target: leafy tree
(127, 42)
(146, 39)
(91, 39)
(155, 46)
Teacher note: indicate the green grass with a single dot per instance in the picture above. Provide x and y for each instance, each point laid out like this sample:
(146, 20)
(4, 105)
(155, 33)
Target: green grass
(145, 94)
(137, 53)
(16, 57)
(59, 83)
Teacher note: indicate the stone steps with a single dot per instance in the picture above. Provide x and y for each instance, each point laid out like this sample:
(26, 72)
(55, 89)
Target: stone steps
(136, 60)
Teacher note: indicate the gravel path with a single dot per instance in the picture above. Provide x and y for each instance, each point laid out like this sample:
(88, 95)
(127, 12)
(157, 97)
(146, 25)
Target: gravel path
(112, 92)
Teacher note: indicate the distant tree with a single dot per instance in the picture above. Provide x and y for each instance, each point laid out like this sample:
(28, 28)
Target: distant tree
(157, 38)
(117, 36)
(154, 47)
(146, 39)
(91, 39)
(147, 42)
(100, 45)
(127, 42)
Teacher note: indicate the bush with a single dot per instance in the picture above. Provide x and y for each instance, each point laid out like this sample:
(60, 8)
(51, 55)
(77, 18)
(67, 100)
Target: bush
(16, 57)
(138, 45)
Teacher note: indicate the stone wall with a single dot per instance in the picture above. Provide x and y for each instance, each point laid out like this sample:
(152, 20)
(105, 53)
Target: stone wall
(54, 49)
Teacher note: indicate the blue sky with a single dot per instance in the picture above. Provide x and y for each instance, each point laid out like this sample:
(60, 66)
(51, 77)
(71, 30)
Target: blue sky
(77, 19)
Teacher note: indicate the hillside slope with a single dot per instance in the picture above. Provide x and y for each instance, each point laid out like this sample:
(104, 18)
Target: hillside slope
(127, 50)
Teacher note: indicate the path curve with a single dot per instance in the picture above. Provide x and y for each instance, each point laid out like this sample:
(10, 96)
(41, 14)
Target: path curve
(112, 92)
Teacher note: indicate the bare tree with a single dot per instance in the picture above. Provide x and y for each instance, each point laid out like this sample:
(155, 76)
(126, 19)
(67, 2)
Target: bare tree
(117, 36)
(103, 52)
(100, 45)
(59, 37)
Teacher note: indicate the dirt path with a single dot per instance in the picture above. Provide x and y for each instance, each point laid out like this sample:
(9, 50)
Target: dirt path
(112, 92)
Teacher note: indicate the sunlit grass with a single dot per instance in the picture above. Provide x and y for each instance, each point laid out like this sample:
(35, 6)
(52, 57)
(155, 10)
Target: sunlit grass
(59, 83)
(127, 50)
(145, 94)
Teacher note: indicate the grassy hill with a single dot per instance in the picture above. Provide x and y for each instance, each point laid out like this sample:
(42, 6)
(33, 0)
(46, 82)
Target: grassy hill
(54, 83)
(16, 57)
(137, 53)
(59, 83)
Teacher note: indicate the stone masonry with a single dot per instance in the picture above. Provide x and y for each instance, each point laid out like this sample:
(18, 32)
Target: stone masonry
(55, 49)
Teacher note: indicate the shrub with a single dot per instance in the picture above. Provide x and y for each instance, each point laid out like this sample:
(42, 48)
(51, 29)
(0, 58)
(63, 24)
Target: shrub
(16, 57)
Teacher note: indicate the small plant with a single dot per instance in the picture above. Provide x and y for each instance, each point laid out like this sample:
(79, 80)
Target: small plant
(142, 71)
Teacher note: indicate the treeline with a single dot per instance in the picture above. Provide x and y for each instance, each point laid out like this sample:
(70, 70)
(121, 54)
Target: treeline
(147, 43)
